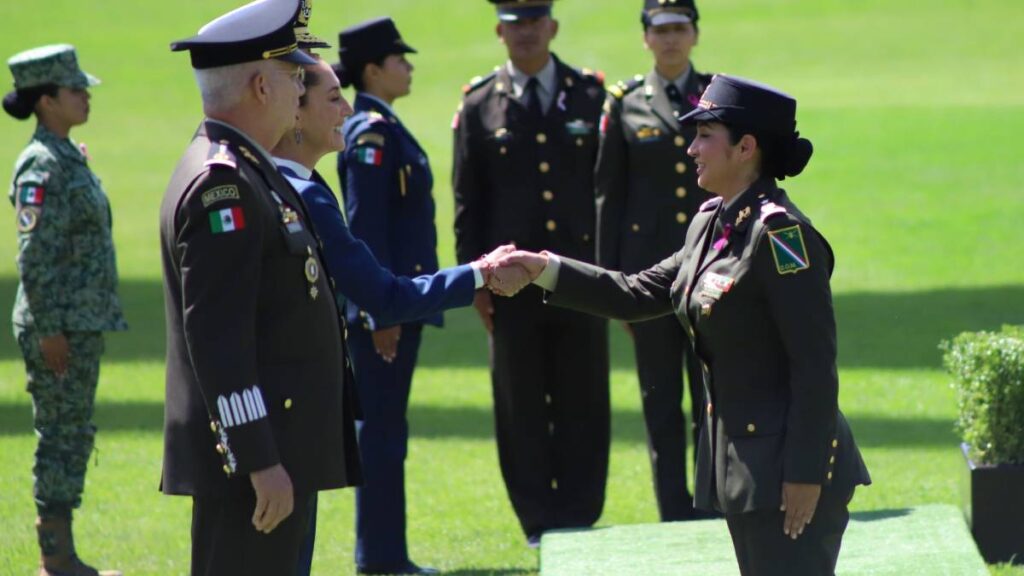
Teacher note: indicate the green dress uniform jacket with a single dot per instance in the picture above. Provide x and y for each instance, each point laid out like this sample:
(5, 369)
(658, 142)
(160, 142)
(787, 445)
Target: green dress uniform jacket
(757, 304)
(66, 254)
(647, 194)
(646, 183)
(515, 182)
(529, 180)
(256, 367)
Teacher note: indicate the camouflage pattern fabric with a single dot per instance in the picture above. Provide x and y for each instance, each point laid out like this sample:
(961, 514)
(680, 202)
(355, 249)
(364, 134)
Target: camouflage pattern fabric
(55, 64)
(66, 254)
(62, 417)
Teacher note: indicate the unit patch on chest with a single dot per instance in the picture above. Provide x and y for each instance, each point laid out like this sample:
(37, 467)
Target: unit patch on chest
(789, 250)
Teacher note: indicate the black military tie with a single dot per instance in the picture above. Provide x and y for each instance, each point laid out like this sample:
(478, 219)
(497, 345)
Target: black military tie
(675, 97)
(533, 96)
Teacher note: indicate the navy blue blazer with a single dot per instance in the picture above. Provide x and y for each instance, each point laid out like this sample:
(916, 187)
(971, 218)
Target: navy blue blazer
(386, 183)
(358, 276)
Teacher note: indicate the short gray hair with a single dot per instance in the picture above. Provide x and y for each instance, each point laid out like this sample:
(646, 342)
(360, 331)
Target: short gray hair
(223, 87)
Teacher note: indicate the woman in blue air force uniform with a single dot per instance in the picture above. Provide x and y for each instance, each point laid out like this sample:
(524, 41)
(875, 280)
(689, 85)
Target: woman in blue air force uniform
(386, 182)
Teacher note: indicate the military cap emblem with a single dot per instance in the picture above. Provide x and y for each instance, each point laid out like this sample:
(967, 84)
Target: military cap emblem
(302, 34)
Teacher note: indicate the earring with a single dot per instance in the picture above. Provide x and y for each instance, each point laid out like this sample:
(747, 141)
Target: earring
(298, 135)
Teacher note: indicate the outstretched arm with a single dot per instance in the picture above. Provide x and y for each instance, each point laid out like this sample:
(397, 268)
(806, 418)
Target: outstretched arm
(587, 288)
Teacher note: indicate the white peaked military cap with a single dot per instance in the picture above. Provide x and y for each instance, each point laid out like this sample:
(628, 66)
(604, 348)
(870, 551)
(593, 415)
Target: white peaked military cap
(259, 30)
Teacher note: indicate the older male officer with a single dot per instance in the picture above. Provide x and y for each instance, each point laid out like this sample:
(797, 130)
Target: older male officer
(525, 146)
(256, 415)
(647, 194)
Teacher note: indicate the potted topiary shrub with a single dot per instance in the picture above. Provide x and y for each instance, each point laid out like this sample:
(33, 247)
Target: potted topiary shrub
(988, 375)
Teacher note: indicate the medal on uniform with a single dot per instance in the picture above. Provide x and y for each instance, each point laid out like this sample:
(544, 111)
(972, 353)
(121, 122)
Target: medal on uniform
(312, 268)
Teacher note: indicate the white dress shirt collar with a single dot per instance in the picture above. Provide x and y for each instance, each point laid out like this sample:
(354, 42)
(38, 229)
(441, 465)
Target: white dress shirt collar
(300, 170)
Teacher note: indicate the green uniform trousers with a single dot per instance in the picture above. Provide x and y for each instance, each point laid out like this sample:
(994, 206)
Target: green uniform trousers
(62, 417)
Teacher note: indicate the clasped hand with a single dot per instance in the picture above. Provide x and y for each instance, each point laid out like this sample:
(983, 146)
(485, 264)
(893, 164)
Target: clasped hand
(507, 270)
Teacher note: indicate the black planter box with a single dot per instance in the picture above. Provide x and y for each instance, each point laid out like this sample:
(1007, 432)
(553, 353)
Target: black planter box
(993, 500)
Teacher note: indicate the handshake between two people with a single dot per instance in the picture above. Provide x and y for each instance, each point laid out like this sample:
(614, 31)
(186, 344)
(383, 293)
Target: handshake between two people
(507, 270)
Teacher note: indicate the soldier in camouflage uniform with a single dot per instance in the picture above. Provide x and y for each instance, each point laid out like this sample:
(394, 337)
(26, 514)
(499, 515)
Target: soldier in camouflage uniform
(67, 296)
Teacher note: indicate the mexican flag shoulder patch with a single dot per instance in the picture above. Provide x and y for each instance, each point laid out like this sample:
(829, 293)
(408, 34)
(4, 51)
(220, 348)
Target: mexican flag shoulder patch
(32, 195)
(789, 250)
(227, 220)
(369, 155)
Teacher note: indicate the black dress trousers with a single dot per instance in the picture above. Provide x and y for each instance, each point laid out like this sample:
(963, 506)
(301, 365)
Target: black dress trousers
(762, 549)
(225, 542)
(660, 346)
(552, 411)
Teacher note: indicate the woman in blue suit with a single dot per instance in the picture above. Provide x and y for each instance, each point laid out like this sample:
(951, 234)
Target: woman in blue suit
(358, 276)
(382, 297)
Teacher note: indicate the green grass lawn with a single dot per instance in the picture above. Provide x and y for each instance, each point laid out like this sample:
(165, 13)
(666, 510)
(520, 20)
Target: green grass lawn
(915, 111)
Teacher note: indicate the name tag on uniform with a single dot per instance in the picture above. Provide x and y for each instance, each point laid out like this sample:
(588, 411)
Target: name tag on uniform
(579, 127)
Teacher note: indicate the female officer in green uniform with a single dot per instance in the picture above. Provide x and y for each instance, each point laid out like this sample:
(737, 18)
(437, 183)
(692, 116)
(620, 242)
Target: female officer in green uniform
(68, 292)
(751, 288)
(647, 193)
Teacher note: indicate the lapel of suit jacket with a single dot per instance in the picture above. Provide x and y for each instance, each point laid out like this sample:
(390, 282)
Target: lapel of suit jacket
(510, 108)
(695, 264)
(656, 98)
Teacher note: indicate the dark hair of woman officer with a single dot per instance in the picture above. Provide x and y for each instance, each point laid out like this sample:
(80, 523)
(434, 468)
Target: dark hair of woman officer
(781, 157)
(353, 76)
(20, 104)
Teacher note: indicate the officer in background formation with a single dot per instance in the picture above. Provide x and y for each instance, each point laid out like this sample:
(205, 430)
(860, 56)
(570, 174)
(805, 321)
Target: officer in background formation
(256, 415)
(647, 193)
(525, 146)
(67, 295)
(387, 185)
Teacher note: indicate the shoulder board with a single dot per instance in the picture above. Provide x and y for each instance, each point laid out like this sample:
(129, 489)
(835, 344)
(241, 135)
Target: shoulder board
(620, 89)
(596, 76)
(373, 116)
(711, 204)
(771, 209)
(221, 156)
(478, 81)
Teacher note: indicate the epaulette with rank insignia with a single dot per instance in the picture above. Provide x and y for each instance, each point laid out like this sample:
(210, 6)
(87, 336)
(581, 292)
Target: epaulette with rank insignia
(477, 82)
(711, 204)
(222, 156)
(620, 89)
(770, 209)
(594, 75)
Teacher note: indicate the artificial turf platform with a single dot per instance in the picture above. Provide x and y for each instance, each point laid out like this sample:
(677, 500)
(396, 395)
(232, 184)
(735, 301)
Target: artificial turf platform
(929, 540)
